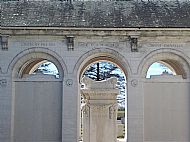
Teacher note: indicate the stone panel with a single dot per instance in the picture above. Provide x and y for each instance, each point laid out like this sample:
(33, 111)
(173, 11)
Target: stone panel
(166, 110)
(38, 110)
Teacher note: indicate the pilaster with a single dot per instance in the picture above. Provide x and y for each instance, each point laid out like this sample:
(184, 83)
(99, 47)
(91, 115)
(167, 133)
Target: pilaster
(71, 109)
(135, 109)
(5, 108)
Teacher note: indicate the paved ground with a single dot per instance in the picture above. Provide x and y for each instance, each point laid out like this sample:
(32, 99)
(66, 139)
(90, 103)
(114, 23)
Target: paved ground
(121, 140)
(118, 140)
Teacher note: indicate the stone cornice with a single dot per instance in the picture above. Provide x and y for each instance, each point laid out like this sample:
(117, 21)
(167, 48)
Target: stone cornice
(60, 31)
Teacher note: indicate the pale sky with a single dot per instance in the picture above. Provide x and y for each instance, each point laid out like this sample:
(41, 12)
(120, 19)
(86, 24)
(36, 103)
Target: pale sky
(156, 69)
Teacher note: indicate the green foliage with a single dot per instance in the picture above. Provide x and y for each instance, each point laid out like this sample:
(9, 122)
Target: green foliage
(107, 70)
(120, 114)
(47, 68)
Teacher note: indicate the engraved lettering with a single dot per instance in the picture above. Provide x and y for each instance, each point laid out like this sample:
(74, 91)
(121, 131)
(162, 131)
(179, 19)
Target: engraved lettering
(37, 43)
(102, 44)
(174, 45)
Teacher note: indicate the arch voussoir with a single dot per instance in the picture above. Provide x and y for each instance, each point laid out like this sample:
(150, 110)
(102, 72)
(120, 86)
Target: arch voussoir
(174, 58)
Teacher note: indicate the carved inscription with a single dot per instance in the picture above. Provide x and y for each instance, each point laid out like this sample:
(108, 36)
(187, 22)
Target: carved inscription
(98, 107)
(103, 44)
(37, 44)
(171, 45)
(44, 43)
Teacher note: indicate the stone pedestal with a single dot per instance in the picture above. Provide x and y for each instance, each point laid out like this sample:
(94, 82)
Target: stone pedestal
(99, 110)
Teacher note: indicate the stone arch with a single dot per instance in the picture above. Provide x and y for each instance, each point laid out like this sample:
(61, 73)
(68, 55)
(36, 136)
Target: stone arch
(167, 95)
(50, 100)
(101, 54)
(173, 58)
(105, 55)
(25, 60)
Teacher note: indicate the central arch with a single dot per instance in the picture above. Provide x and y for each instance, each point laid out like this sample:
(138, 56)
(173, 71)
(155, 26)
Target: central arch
(101, 55)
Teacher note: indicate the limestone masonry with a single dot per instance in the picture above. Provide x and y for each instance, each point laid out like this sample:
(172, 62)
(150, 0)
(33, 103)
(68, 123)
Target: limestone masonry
(72, 35)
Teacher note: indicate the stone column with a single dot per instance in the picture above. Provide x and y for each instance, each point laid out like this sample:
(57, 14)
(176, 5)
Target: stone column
(99, 110)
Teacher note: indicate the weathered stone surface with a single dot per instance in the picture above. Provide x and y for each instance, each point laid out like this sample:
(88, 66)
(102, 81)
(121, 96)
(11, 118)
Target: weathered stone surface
(100, 110)
(131, 13)
(157, 108)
